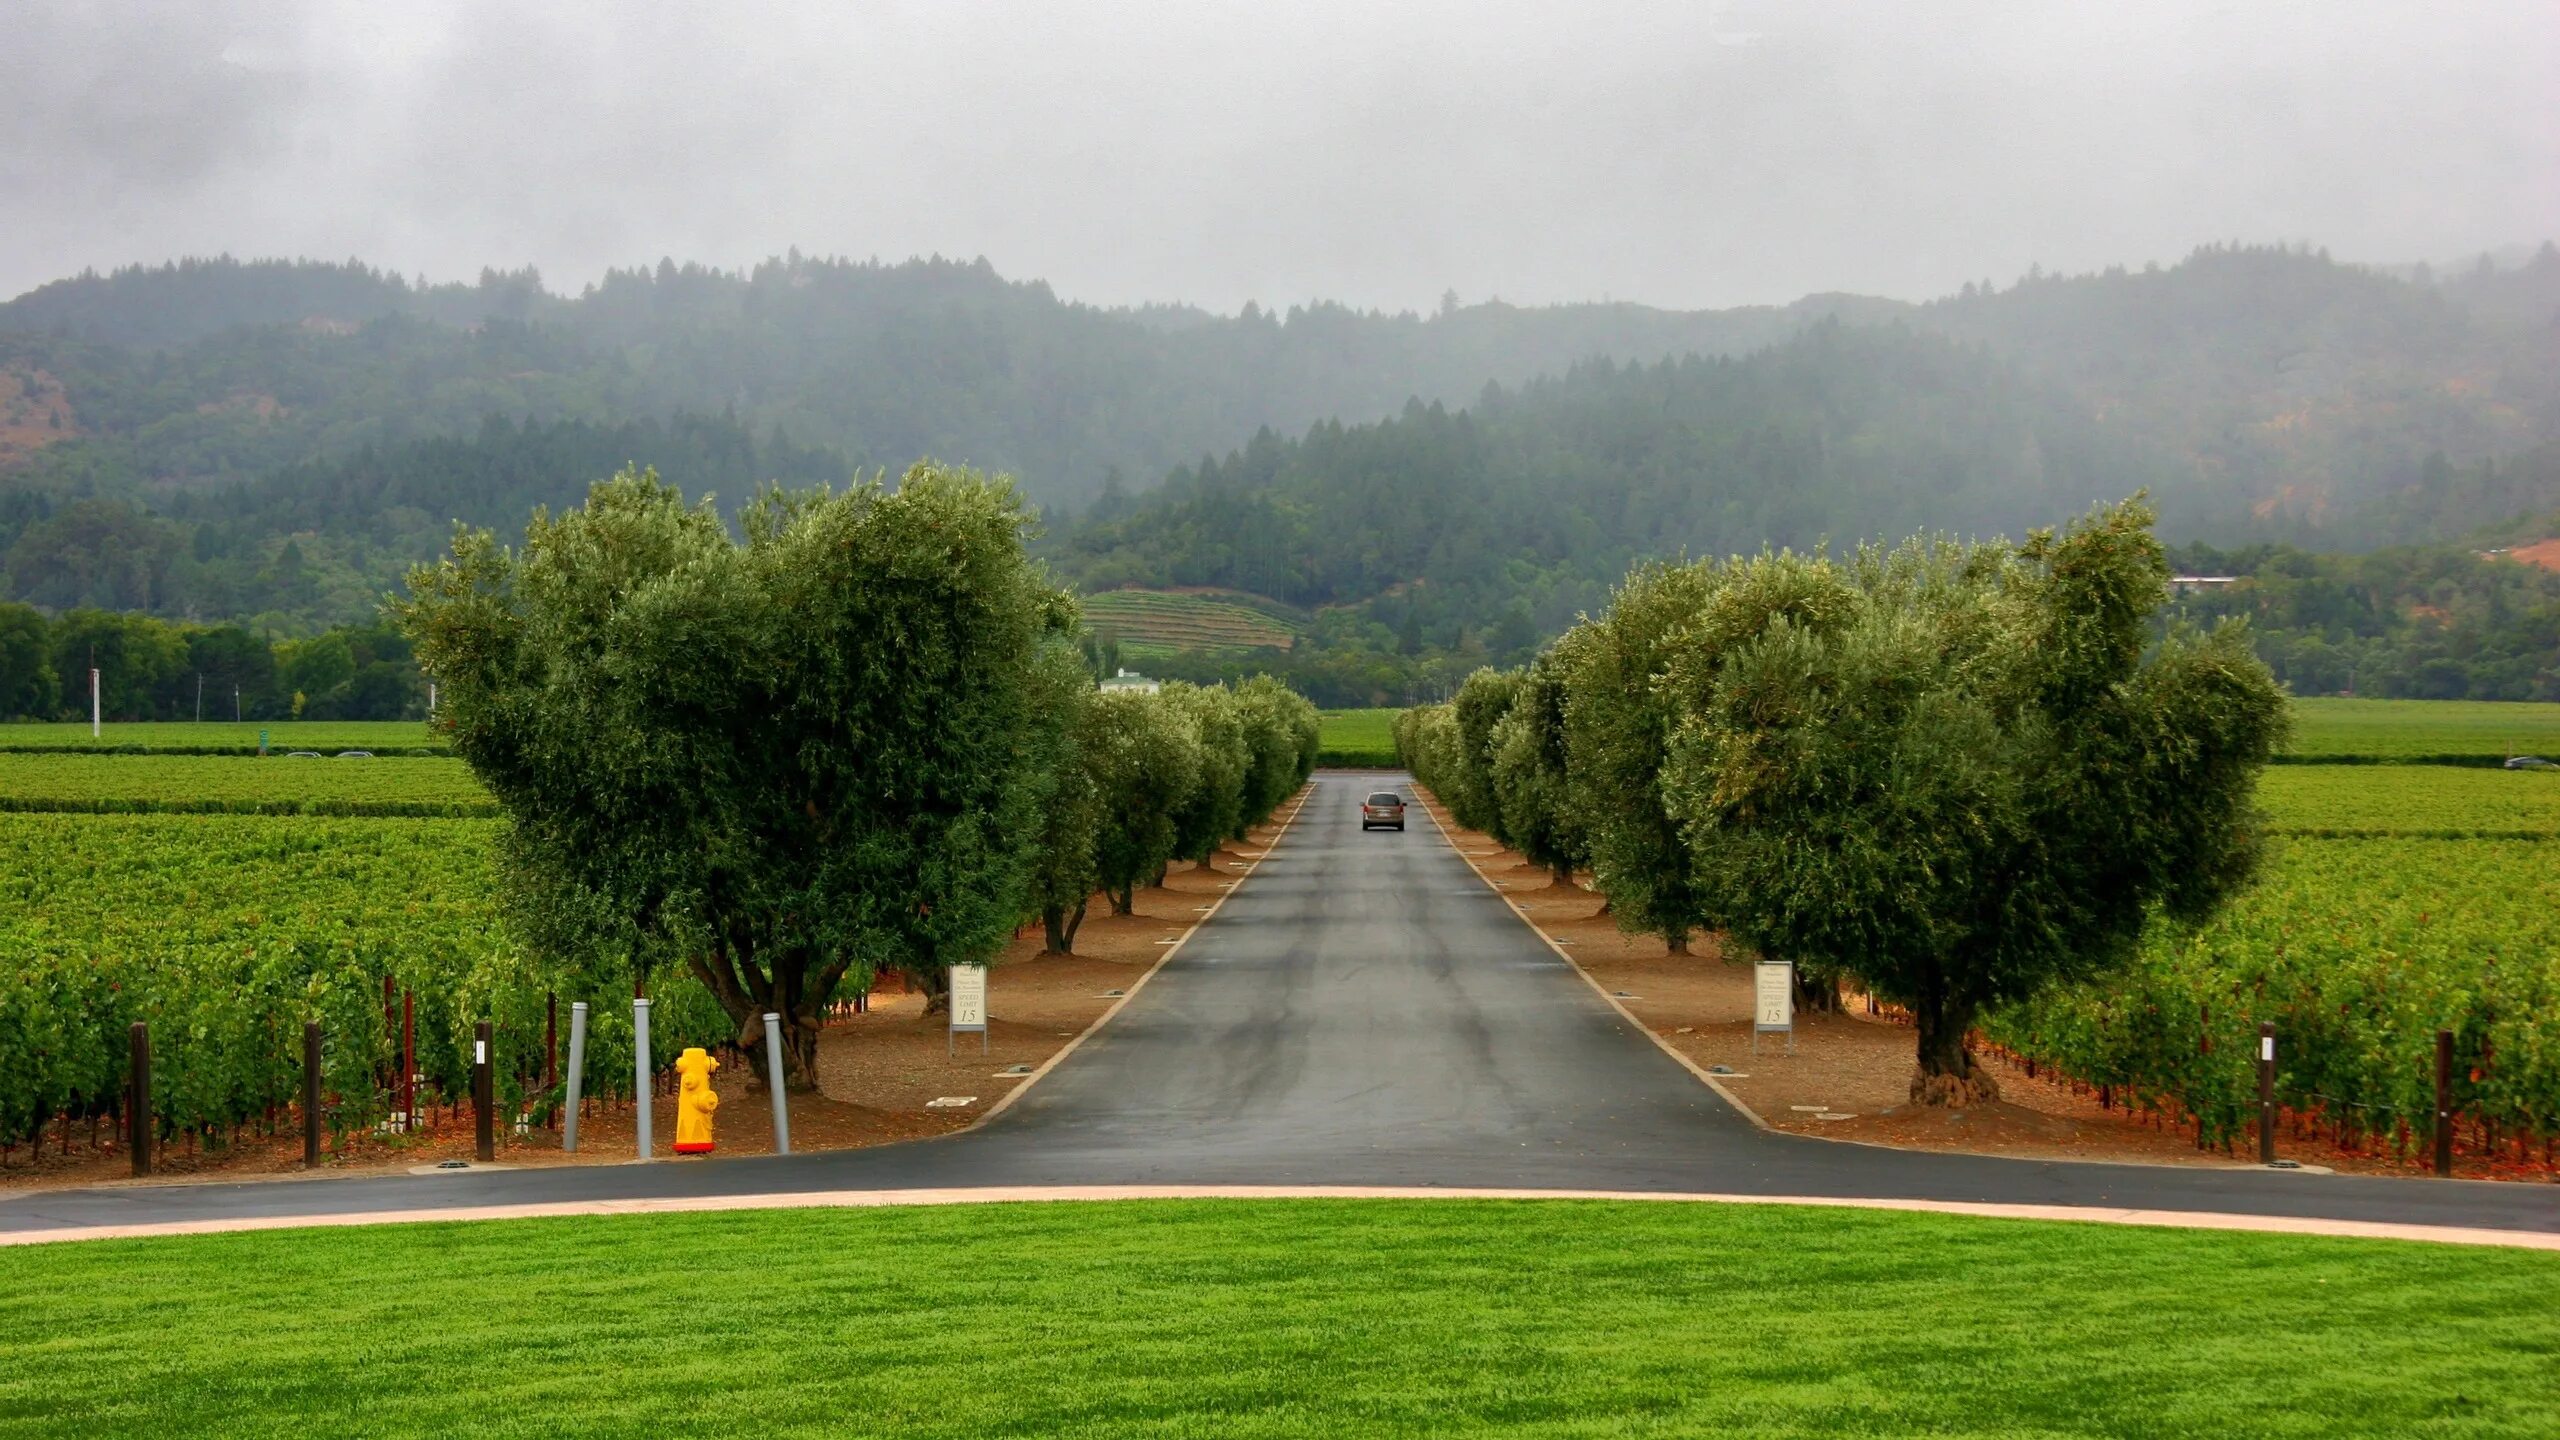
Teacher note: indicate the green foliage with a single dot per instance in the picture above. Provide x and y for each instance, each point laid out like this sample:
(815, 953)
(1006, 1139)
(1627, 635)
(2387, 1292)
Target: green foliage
(410, 738)
(2358, 950)
(28, 683)
(775, 763)
(1953, 773)
(1360, 737)
(1148, 623)
(2441, 622)
(109, 783)
(1532, 778)
(1618, 725)
(1215, 809)
(2403, 730)
(2438, 801)
(226, 933)
(1470, 792)
(1282, 733)
(1144, 759)
(1061, 875)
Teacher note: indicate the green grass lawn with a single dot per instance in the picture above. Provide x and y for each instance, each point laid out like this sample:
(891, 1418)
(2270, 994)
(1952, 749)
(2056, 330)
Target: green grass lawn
(1360, 737)
(2329, 726)
(1293, 1318)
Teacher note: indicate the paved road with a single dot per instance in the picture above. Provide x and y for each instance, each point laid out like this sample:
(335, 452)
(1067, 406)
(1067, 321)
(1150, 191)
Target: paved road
(1364, 1011)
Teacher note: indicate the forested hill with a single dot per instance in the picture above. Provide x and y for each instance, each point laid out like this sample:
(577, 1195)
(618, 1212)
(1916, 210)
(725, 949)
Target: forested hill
(2307, 383)
(1532, 503)
(227, 439)
(325, 539)
(1424, 545)
(178, 375)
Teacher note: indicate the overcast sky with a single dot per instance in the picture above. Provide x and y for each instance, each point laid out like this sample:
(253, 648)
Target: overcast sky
(1681, 154)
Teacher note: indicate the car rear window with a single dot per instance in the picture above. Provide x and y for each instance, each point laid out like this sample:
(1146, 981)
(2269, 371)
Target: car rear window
(1386, 797)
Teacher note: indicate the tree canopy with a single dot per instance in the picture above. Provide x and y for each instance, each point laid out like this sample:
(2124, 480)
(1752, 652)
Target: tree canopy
(774, 762)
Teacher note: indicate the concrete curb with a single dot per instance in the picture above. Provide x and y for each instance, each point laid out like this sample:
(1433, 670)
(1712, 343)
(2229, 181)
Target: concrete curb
(1019, 1194)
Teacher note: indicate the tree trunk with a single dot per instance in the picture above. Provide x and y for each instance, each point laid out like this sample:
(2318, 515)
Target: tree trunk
(1124, 901)
(1061, 925)
(1677, 944)
(1816, 994)
(1947, 1075)
(1564, 874)
(799, 1051)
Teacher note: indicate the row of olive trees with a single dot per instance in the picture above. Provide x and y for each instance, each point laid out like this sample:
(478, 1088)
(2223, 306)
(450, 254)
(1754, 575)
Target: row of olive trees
(1951, 773)
(1142, 780)
(859, 739)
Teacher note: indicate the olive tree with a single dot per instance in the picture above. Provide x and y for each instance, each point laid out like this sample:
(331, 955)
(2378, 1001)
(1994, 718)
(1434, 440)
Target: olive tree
(1618, 726)
(1062, 875)
(1144, 759)
(1530, 782)
(1959, 776)
(1279, 727)
(1480, 705)
(777, 762)
(1215, 809)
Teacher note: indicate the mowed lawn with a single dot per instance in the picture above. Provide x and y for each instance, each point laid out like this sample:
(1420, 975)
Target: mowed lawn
(1279, 1318)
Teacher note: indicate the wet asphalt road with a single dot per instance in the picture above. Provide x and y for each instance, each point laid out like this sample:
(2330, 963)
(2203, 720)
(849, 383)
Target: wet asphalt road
(1364, 1011)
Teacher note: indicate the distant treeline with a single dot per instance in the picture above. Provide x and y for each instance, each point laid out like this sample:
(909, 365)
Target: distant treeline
(152, 669)
(2437, 622)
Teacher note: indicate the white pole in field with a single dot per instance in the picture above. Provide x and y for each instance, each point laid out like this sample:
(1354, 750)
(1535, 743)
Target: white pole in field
(93, 702)
(431, 699)
(199, 697)
(640, 1066)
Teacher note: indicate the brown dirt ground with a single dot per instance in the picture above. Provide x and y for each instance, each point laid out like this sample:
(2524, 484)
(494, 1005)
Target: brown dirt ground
(2545, 553)
(876, 1070)
(1849, 1063)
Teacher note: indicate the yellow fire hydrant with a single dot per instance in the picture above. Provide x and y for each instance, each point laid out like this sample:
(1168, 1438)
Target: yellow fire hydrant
(695, 1102)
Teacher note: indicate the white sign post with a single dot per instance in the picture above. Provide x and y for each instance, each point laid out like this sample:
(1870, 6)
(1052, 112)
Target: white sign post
(968, 1006)
(1773, 1009)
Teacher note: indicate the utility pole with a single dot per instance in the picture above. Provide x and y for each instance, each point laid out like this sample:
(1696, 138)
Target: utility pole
(199, 697)
(93, 693)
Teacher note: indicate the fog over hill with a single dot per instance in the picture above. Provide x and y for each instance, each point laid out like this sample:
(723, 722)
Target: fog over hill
(172, 426)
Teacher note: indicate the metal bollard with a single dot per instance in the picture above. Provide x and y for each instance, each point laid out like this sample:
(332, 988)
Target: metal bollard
(577, 1073)
(138, 1099)
(2267, 1093)
(2444, 1103)
(310, 1094)
(640, 1069)
(484, 1093)
(773, 1083)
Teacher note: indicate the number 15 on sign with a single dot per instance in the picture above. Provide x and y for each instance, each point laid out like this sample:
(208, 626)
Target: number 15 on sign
(1773, 1009)
(968, 1006)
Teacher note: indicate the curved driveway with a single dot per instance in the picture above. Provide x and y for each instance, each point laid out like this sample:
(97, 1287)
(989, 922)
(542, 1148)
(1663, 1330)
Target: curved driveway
(1363, 1011)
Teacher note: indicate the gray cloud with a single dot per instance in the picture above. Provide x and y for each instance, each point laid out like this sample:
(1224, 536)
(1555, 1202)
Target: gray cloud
(1676, 153)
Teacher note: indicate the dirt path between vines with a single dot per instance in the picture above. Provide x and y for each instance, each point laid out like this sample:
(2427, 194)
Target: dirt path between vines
(1850, 1074)
(878, 1072)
